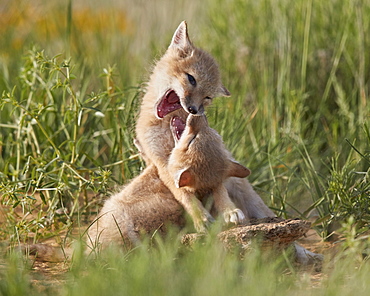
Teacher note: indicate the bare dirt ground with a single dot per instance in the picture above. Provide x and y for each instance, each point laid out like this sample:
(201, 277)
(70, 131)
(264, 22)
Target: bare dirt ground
(48, 275)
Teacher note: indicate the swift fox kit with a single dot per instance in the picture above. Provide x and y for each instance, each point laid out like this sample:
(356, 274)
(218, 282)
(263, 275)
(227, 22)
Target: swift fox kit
(147, 205)
(200, 163)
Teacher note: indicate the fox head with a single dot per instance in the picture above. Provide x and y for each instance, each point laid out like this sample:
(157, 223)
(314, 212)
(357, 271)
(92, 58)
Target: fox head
(199, 159)
(185, 77)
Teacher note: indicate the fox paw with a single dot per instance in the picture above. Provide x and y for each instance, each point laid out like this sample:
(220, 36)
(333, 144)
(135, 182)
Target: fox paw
(235, 216)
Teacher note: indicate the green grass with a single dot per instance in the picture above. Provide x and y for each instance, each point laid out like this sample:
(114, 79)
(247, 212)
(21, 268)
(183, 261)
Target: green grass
(71, 78)
(169, 269)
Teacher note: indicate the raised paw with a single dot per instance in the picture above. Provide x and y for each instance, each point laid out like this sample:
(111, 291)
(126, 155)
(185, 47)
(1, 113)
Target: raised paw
(235, 216)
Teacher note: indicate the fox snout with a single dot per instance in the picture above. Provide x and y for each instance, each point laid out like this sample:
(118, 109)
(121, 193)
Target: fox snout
(193, 108)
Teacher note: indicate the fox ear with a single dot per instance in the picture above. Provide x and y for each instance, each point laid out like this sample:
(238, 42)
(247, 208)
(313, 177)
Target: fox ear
(184, 178)
(180, 39)
(238, 170)
(224, 92)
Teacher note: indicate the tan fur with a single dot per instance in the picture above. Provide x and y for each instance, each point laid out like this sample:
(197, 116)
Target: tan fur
(200, 164)
(145, 205)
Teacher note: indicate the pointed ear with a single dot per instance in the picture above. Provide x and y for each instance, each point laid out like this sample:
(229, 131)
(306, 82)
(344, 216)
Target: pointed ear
(184, 178)
(238, 170)
(224, 92)
(180, 39)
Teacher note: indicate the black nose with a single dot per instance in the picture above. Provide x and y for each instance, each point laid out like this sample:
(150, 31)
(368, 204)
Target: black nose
(193, 110)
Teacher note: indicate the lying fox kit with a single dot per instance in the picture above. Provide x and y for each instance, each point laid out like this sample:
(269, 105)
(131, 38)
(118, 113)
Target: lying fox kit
(200, 163)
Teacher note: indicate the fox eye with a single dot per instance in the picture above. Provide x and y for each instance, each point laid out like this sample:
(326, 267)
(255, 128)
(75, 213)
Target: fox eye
(208, 98)
(192, 80)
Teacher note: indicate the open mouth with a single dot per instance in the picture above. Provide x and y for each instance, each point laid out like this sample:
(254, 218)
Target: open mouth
(169, 103)
(177, 127)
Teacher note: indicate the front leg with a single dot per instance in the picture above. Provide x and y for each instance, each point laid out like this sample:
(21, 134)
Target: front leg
(155, 142)
(225, 207)
(192, 205)
(202, 219)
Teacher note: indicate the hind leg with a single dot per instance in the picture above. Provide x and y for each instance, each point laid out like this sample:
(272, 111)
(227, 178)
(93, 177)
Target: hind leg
(246, 199)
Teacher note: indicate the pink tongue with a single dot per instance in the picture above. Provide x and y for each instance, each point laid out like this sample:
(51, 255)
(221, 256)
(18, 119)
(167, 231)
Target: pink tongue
(172, 98)
(179, 126)
(170, 102)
